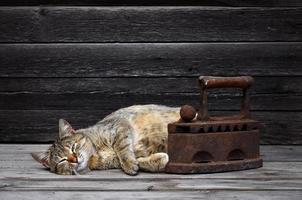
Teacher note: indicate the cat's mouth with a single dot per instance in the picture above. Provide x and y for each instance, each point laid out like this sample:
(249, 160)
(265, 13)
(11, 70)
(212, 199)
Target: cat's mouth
(72, 168)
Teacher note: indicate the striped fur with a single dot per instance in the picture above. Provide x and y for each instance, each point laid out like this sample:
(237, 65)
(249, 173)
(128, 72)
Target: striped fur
(131, 138)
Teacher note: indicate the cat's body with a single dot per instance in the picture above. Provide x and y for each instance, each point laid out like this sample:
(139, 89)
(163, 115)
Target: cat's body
(131, 138)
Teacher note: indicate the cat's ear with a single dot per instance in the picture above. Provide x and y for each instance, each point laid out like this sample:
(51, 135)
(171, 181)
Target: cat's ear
(65, 129)
(42, 157)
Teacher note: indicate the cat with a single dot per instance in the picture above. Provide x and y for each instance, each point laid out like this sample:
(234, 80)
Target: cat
(132, 138)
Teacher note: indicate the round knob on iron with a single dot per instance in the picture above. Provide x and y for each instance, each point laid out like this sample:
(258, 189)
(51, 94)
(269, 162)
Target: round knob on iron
(187, 113)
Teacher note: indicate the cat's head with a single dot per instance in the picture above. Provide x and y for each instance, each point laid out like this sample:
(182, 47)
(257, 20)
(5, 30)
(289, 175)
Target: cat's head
(69, 154)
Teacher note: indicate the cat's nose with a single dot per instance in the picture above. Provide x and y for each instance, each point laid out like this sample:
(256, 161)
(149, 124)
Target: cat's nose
(72, 159)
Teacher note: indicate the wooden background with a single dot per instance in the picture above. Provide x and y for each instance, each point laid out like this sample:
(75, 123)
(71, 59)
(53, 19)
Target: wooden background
(81, 60)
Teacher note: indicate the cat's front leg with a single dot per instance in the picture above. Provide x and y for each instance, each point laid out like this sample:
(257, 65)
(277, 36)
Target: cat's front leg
(123, 147)
(104, 159)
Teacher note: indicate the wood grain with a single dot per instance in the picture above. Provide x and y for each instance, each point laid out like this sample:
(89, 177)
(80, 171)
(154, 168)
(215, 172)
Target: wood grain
(21, 177)
(217, 194)
(98, 93)
(142, 85)
(41, 125)
(150, 59)
(111, 101)
(149, 184)
(268, 3)
(152, 24)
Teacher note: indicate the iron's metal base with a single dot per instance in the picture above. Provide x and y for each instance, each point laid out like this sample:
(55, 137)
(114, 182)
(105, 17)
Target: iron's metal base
(213, 152)
(213, 167)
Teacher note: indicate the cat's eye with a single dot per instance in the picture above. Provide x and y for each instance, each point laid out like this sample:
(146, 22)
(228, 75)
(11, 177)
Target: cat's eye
(73, 147)
(64, 159)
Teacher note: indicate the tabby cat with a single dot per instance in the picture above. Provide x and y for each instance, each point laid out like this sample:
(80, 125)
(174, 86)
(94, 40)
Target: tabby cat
(132, 138)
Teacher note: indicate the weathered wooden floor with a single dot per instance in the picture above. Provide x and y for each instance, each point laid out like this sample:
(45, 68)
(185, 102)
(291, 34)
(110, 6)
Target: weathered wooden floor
(280, 178)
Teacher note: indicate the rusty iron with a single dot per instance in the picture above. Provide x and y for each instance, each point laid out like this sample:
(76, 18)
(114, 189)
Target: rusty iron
(210, 144)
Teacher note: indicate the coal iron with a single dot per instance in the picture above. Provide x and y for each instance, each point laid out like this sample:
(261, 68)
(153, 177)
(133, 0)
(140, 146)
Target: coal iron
(208, 144)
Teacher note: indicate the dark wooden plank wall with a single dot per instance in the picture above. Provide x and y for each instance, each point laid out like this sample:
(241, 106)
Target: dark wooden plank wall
(252, 3)
(60, 60)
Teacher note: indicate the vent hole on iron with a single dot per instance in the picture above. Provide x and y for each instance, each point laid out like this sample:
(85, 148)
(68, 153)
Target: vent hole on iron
(235, 128)
(219, 129)
(182, 129)
(201, 130)
(244, 127)
(236, 155)
(194, 130)
(227, 129)
(210, 130)
(202, 157)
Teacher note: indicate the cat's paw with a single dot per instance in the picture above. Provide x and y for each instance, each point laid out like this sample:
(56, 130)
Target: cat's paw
(163, 160)
(154, 163)
(131, 168)
(132, 171)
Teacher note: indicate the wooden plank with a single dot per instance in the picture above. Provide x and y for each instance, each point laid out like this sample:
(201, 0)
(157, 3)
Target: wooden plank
(111, 101)
(89, 195)
(149, 184)
(97, 93)
(141, 85)
(27, 178)
(25, 126)
(156, 24)
(281, 153)
(150, 59)
(268, 3)
(269, 153)
(32, 170)
(20, 149)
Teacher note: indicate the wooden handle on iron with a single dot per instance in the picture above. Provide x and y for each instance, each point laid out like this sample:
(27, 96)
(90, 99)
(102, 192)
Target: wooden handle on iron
(209, 82)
